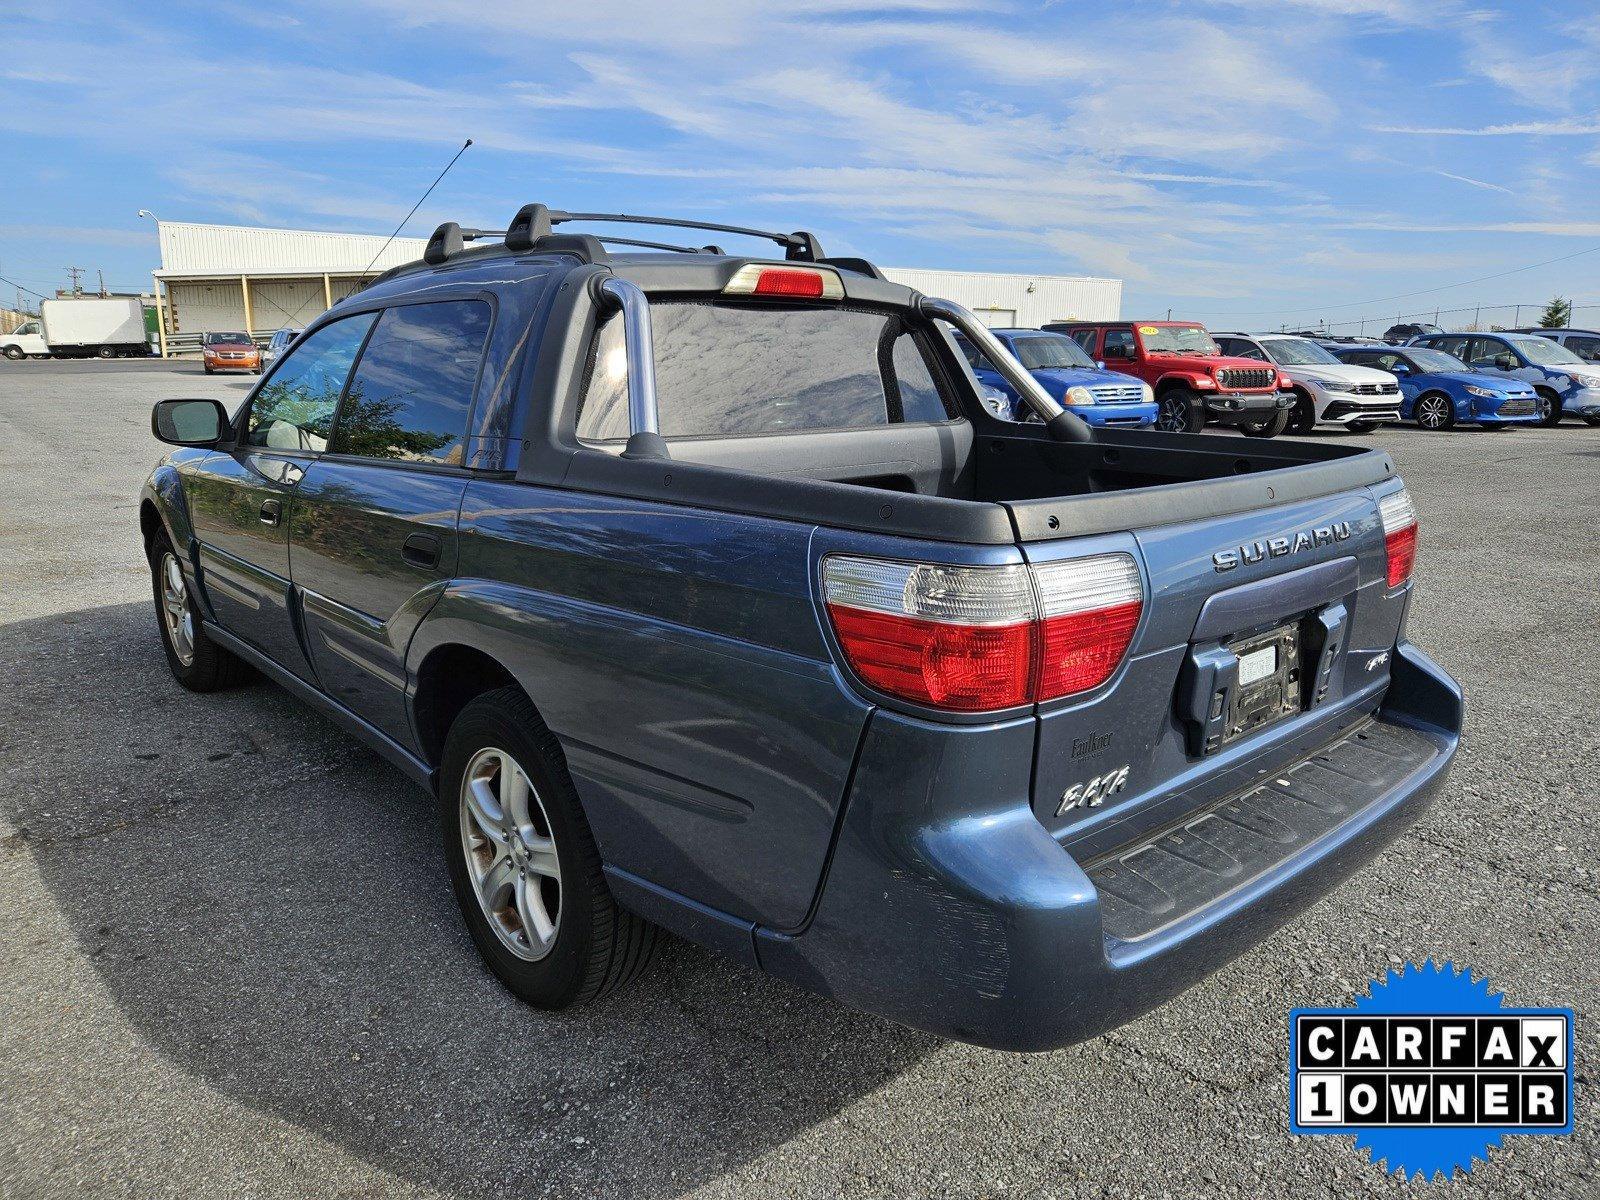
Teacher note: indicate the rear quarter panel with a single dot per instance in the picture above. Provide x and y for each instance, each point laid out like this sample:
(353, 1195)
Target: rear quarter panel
(676, 655)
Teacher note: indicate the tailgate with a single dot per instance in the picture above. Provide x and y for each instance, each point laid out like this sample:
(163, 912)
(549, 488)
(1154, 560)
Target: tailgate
(1265, 635)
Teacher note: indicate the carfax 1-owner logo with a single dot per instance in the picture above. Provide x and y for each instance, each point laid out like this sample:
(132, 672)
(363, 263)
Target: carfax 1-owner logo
(1430, 1070)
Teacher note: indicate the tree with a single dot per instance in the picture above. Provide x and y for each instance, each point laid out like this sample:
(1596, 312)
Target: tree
(1557, 314)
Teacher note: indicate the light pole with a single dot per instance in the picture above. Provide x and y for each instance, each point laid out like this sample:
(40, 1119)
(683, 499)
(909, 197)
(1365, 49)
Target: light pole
(155, 286)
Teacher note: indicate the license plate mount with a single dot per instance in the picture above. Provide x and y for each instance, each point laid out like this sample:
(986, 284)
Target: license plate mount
(1270, 681)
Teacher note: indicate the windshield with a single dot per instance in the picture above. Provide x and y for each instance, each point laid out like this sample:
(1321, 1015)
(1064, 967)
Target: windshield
(1048, 352)
(220, 339)
(1544, 352)
(1178, 339)
(1434, 360)
(1296, 352)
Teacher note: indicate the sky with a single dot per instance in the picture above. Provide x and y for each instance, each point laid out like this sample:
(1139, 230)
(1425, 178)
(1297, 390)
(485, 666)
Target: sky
(1250, 163)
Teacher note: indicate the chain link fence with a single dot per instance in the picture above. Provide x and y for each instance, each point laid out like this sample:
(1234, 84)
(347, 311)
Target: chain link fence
(1474, 318)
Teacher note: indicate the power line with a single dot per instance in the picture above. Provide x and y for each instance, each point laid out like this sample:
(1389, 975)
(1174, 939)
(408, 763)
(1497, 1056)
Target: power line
(20, 288)
(417, 205)
(1274, 312)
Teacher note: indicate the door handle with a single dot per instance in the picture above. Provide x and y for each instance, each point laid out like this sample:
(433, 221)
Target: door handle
(421, 550)
(271, 512)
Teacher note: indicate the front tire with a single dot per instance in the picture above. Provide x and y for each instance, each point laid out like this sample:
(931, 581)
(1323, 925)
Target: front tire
(1267, 427)
(1549, 409)
(197, 662)
(1180, 411)
(523, 862)
(16, 353)
(1303, 417)
(1593, 422)
(1434, 412)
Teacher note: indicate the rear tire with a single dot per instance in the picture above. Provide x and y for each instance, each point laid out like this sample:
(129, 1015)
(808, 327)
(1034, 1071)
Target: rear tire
(197, 662)
(1493, 426)
(1268, 426)
(523, 862)
(1180, 411)
(105, 352)
(1593, 422)
(1434, 411)
(1362, 426)
(1549, 409)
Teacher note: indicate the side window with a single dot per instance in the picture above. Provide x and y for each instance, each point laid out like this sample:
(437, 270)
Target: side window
(1586, 348)
(294, 409)
(969, 351)
(1119, 344)
(1085, 338)
(1450, 345)
(919, 394)
(1481, 352)
(412, 389)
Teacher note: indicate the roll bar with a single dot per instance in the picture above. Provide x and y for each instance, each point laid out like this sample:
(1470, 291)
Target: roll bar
(1063, 426)
(644, 414)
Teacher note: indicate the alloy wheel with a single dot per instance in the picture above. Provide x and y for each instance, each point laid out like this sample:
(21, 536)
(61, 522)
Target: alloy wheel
(1432, 413)
(510, 852)
(1173, 416)
(177, 614)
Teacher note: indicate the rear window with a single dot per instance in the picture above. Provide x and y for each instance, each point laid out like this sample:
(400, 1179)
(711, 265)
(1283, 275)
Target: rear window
(739, 371)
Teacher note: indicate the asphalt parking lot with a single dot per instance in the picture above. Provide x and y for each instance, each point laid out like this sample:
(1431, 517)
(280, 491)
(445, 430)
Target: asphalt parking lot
(232, 965)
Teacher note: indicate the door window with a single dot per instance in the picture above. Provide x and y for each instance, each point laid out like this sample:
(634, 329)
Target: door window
(409, 397)
(294, 408)
(1482, 352)
(1085, 338)
(1450, 345)
(1586, 348)
(1119, 343)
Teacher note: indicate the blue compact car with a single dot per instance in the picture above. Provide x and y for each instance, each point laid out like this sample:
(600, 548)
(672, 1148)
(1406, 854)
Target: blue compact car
(1099, 396)
(1566, 385)
(1438, 390)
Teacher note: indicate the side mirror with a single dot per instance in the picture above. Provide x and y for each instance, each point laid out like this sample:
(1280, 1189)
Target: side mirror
(1400, 369)
(1101, 363)
(189, 422)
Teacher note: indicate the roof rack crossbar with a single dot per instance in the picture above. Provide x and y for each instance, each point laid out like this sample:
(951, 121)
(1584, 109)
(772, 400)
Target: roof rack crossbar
(798, 245)
(622, 241)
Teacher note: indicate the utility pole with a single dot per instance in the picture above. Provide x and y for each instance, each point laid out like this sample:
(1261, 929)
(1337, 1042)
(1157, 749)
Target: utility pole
(73, 273)
(102, 277)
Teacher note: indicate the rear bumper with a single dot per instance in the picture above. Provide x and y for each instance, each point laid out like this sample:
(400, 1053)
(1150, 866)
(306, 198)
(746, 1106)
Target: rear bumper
(979, 926)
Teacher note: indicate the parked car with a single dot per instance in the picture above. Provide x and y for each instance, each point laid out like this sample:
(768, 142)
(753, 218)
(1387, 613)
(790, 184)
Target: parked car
(230, 352)
(276, 345)
(1585, 343)
(1404, 332)
(1327, 391)
(1438, 391)
(1566, 385)
(705, 593)
(1194, 382)
(1069, 375)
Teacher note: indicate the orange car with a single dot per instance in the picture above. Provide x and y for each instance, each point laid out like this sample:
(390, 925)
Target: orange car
(230, 352)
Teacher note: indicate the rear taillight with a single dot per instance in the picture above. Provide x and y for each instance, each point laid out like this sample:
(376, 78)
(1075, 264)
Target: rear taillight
(977, 639)
(1399, 534)
(799, 283)
(1090, 607)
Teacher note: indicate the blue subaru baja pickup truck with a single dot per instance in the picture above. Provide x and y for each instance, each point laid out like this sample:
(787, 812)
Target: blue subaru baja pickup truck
(704, 593)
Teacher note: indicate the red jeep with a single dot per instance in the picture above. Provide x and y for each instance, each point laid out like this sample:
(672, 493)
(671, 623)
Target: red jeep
(1194, 381)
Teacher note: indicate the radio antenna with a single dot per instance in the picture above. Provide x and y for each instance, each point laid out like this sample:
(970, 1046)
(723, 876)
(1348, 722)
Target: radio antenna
(417, 205)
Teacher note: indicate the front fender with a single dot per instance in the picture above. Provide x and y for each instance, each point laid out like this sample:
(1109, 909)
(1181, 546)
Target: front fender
(164, 492)
(1194, 382)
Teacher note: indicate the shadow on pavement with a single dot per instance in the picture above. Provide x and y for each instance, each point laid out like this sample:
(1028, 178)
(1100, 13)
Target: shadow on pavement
(266, 902)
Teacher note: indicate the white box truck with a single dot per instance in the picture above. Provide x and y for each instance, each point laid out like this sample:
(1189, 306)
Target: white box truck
(82, 327)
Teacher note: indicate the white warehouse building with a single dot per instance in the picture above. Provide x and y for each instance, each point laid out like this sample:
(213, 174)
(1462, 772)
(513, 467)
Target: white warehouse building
(235, 277)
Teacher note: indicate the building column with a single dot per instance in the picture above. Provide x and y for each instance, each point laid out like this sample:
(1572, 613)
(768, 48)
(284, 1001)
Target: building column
(327, 292)
(161, 316)
(249, 317)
